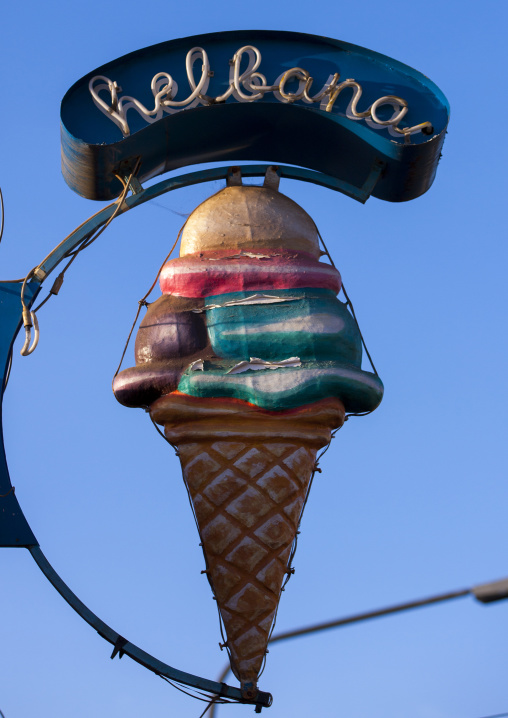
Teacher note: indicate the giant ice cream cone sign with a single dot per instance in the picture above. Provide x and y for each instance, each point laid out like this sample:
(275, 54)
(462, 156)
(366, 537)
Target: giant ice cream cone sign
(249, 361)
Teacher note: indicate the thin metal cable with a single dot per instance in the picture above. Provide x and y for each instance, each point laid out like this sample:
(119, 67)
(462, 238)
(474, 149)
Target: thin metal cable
(59, 280)
(140, 303)
(164, 436)
(9, 367)
(203, 697)
(168, 209)
(42, 303)
(91, 238)
(290, 570)
(206, 699)
(192, 692)
(143, 302)
(74, 231)
(210, 704)
(2, 210)
(118, 203)
(349, 304)
(224, 643)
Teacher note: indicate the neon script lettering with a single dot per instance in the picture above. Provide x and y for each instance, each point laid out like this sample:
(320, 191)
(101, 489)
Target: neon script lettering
(247, 86)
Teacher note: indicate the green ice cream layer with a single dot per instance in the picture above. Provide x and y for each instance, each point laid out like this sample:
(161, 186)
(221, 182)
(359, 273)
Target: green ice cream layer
(287, 387)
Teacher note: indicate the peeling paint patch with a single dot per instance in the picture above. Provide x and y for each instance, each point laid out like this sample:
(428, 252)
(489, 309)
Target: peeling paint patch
(253, 299)
(255, 364)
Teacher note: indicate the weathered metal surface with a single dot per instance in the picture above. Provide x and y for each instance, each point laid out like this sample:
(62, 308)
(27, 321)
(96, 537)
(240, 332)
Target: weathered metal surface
(14, 528)
(340, 135)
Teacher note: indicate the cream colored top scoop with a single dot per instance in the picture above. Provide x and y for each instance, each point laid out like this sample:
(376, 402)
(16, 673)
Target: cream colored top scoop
(248, 218)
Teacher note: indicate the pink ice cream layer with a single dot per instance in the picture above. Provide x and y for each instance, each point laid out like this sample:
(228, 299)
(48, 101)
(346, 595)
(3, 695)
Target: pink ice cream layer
(211, 273)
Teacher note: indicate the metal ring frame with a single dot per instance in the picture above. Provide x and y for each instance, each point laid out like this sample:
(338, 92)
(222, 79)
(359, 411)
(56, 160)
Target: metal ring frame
(121, 645)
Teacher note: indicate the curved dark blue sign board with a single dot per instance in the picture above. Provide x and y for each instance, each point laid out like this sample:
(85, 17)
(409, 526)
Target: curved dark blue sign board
(281, 97)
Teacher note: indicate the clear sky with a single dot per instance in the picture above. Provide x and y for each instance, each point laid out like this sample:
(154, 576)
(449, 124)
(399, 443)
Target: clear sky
(412, 500)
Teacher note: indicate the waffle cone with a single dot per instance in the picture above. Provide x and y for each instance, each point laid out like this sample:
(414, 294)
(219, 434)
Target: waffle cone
(248, 473)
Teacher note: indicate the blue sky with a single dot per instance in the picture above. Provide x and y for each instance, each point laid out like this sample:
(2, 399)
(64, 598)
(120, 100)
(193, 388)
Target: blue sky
(412, 500)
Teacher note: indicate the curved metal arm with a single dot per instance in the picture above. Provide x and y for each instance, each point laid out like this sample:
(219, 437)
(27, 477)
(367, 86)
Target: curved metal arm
(361, 194)
(124, 647)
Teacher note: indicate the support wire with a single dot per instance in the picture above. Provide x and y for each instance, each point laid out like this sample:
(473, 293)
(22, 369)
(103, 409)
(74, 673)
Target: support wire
(352, 310)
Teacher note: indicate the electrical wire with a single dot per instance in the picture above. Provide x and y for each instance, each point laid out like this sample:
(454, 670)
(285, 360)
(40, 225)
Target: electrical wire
(182, 690)
(143, 302)
(2, 210)
(206, 698)
(352, 309)
(30, 317)
(210, 704)
(168, 209)
(224, 643)
(8, 372)
(350, 305)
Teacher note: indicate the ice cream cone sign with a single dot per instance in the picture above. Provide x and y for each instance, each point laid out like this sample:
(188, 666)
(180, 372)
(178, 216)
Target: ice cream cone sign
(249, 361)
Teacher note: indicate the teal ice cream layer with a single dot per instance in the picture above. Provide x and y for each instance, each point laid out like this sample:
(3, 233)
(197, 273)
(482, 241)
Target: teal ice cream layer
(287, 388)
(311, 324)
